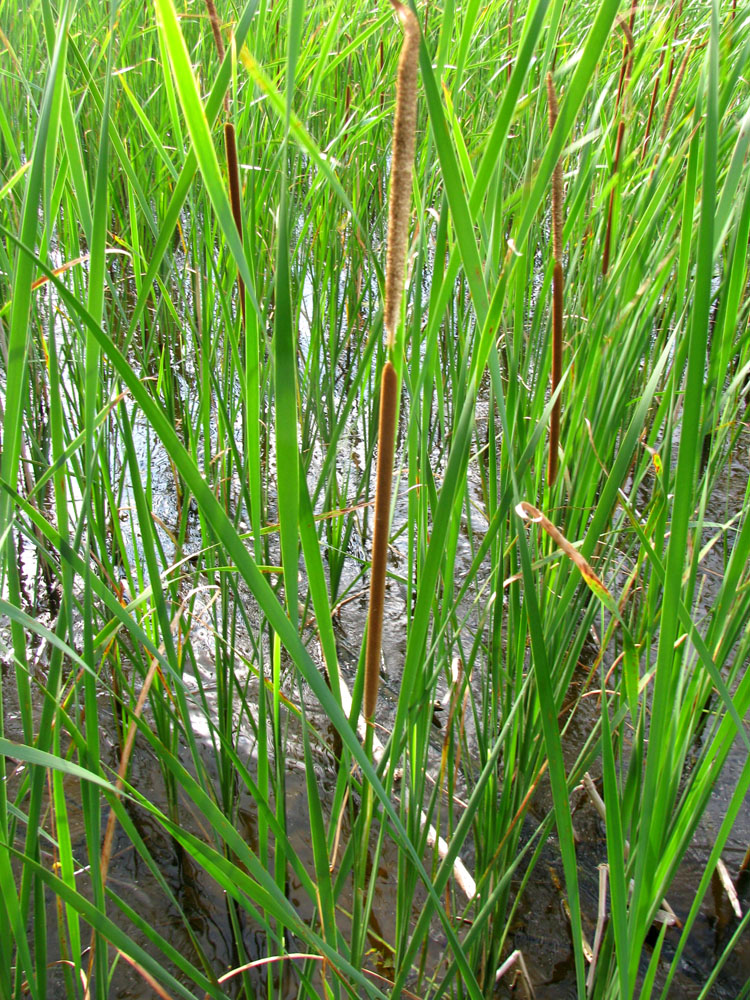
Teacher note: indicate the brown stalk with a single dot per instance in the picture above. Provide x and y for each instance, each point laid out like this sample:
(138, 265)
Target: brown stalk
(386, 449)
(528, 512)
(404, 131)
(557, 292)
(652, 106)
(230, 148)
(627, 62)
(671, 103)
(627, 53)
(615, 167)
(674, 36)
(235, 195)
(673, 94)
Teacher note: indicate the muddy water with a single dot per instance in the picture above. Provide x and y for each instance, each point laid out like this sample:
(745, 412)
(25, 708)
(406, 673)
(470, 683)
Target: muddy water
(198, 910)
(540, 930)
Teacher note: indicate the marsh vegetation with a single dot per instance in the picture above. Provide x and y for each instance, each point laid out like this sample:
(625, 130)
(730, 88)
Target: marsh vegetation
(194, 221)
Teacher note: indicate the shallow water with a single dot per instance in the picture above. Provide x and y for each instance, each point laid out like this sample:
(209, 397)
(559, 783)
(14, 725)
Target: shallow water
(540, 929)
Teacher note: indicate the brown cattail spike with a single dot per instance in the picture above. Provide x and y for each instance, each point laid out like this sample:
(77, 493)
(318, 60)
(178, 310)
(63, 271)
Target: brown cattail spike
(230, 146)
(213, 17)
(235, 195)
(386, 448)
(675, 34)
(673, 94)
(404, 132)
(627, 54)
(625, 69)
(654, 95)
(557, 178)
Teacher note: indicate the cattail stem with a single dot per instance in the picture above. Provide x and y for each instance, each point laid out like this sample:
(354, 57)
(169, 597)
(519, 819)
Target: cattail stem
(404, 132)
(384, 477)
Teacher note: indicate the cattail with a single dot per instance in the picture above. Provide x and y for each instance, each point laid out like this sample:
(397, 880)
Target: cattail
(386, 449)
(557, 177)
(557, 290)
(623, 82)
(673, 94)
(627, 53)
(235, 195)
(213, 17)
(230, 148)
(404, 134)
(651, 108)
(404, 131)
(674, 38)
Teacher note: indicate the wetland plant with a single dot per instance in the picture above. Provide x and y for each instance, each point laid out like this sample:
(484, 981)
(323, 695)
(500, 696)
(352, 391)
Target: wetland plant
(195, 384)
(399, 211)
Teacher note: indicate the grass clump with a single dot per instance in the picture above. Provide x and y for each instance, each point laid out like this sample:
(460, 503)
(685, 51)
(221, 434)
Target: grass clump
(195, 386)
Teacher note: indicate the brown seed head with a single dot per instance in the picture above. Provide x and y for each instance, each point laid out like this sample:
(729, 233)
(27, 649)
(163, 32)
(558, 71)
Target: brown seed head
(673, 94)
(557, 178)
(213, 17)
(404, 132)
